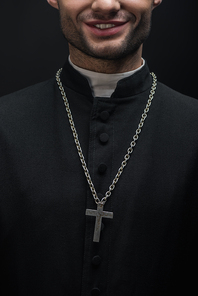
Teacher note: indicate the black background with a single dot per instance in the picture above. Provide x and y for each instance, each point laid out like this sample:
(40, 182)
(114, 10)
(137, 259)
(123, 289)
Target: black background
(32, 47)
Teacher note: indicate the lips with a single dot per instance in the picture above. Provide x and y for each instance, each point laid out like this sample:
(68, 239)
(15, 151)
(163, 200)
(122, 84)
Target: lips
(105, 28)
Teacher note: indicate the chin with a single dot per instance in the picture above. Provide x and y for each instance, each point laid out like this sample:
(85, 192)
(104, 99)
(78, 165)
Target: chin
(113, 53)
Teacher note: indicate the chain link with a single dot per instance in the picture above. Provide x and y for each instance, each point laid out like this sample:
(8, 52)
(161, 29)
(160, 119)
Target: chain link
(129, 150)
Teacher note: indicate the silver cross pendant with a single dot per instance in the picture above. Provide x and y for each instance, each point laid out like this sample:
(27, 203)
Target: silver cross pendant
(99, 214)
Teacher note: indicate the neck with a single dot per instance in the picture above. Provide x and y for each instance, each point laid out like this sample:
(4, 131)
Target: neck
(126, 64)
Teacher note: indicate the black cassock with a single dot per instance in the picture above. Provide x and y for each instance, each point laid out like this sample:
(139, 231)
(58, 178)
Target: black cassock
(149, 248)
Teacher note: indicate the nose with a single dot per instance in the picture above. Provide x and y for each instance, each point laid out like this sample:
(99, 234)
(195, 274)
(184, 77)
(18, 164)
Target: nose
(105, 6)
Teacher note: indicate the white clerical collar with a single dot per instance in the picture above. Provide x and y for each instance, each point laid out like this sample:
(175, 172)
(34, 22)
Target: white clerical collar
(103, 85)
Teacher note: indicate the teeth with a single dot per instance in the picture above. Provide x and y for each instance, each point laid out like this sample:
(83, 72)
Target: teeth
(104, 26)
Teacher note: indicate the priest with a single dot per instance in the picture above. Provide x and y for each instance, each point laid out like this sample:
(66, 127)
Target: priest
(99, 168)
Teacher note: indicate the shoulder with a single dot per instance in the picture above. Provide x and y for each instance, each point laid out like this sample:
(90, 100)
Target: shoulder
(175, 104)
(27, 100)
(31, 91)
(28, 109)
(176, 116)
(171, 96)
(173, 128)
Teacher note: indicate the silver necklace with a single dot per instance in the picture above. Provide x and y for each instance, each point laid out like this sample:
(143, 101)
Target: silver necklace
(99, 213)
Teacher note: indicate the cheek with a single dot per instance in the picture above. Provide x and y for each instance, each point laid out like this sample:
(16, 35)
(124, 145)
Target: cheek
(73, 8)
(137, 7)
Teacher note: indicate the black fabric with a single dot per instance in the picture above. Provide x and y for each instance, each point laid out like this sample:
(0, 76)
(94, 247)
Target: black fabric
(150, 246)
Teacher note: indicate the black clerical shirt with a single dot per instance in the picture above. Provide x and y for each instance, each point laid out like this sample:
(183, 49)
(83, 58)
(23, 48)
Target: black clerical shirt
(149, 248)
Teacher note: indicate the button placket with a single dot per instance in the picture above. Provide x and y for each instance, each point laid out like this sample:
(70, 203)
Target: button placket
(104, 138)
(101, 152)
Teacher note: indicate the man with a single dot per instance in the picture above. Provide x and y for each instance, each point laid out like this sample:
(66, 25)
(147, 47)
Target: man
(99, 167)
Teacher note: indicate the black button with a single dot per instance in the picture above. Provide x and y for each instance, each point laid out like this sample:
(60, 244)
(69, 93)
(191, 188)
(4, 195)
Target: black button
(104, 115)
(102, 168)
(95, 292)
(104, 138)
(96, 260)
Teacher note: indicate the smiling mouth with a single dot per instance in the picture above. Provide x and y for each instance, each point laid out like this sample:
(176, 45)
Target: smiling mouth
(104, 26)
